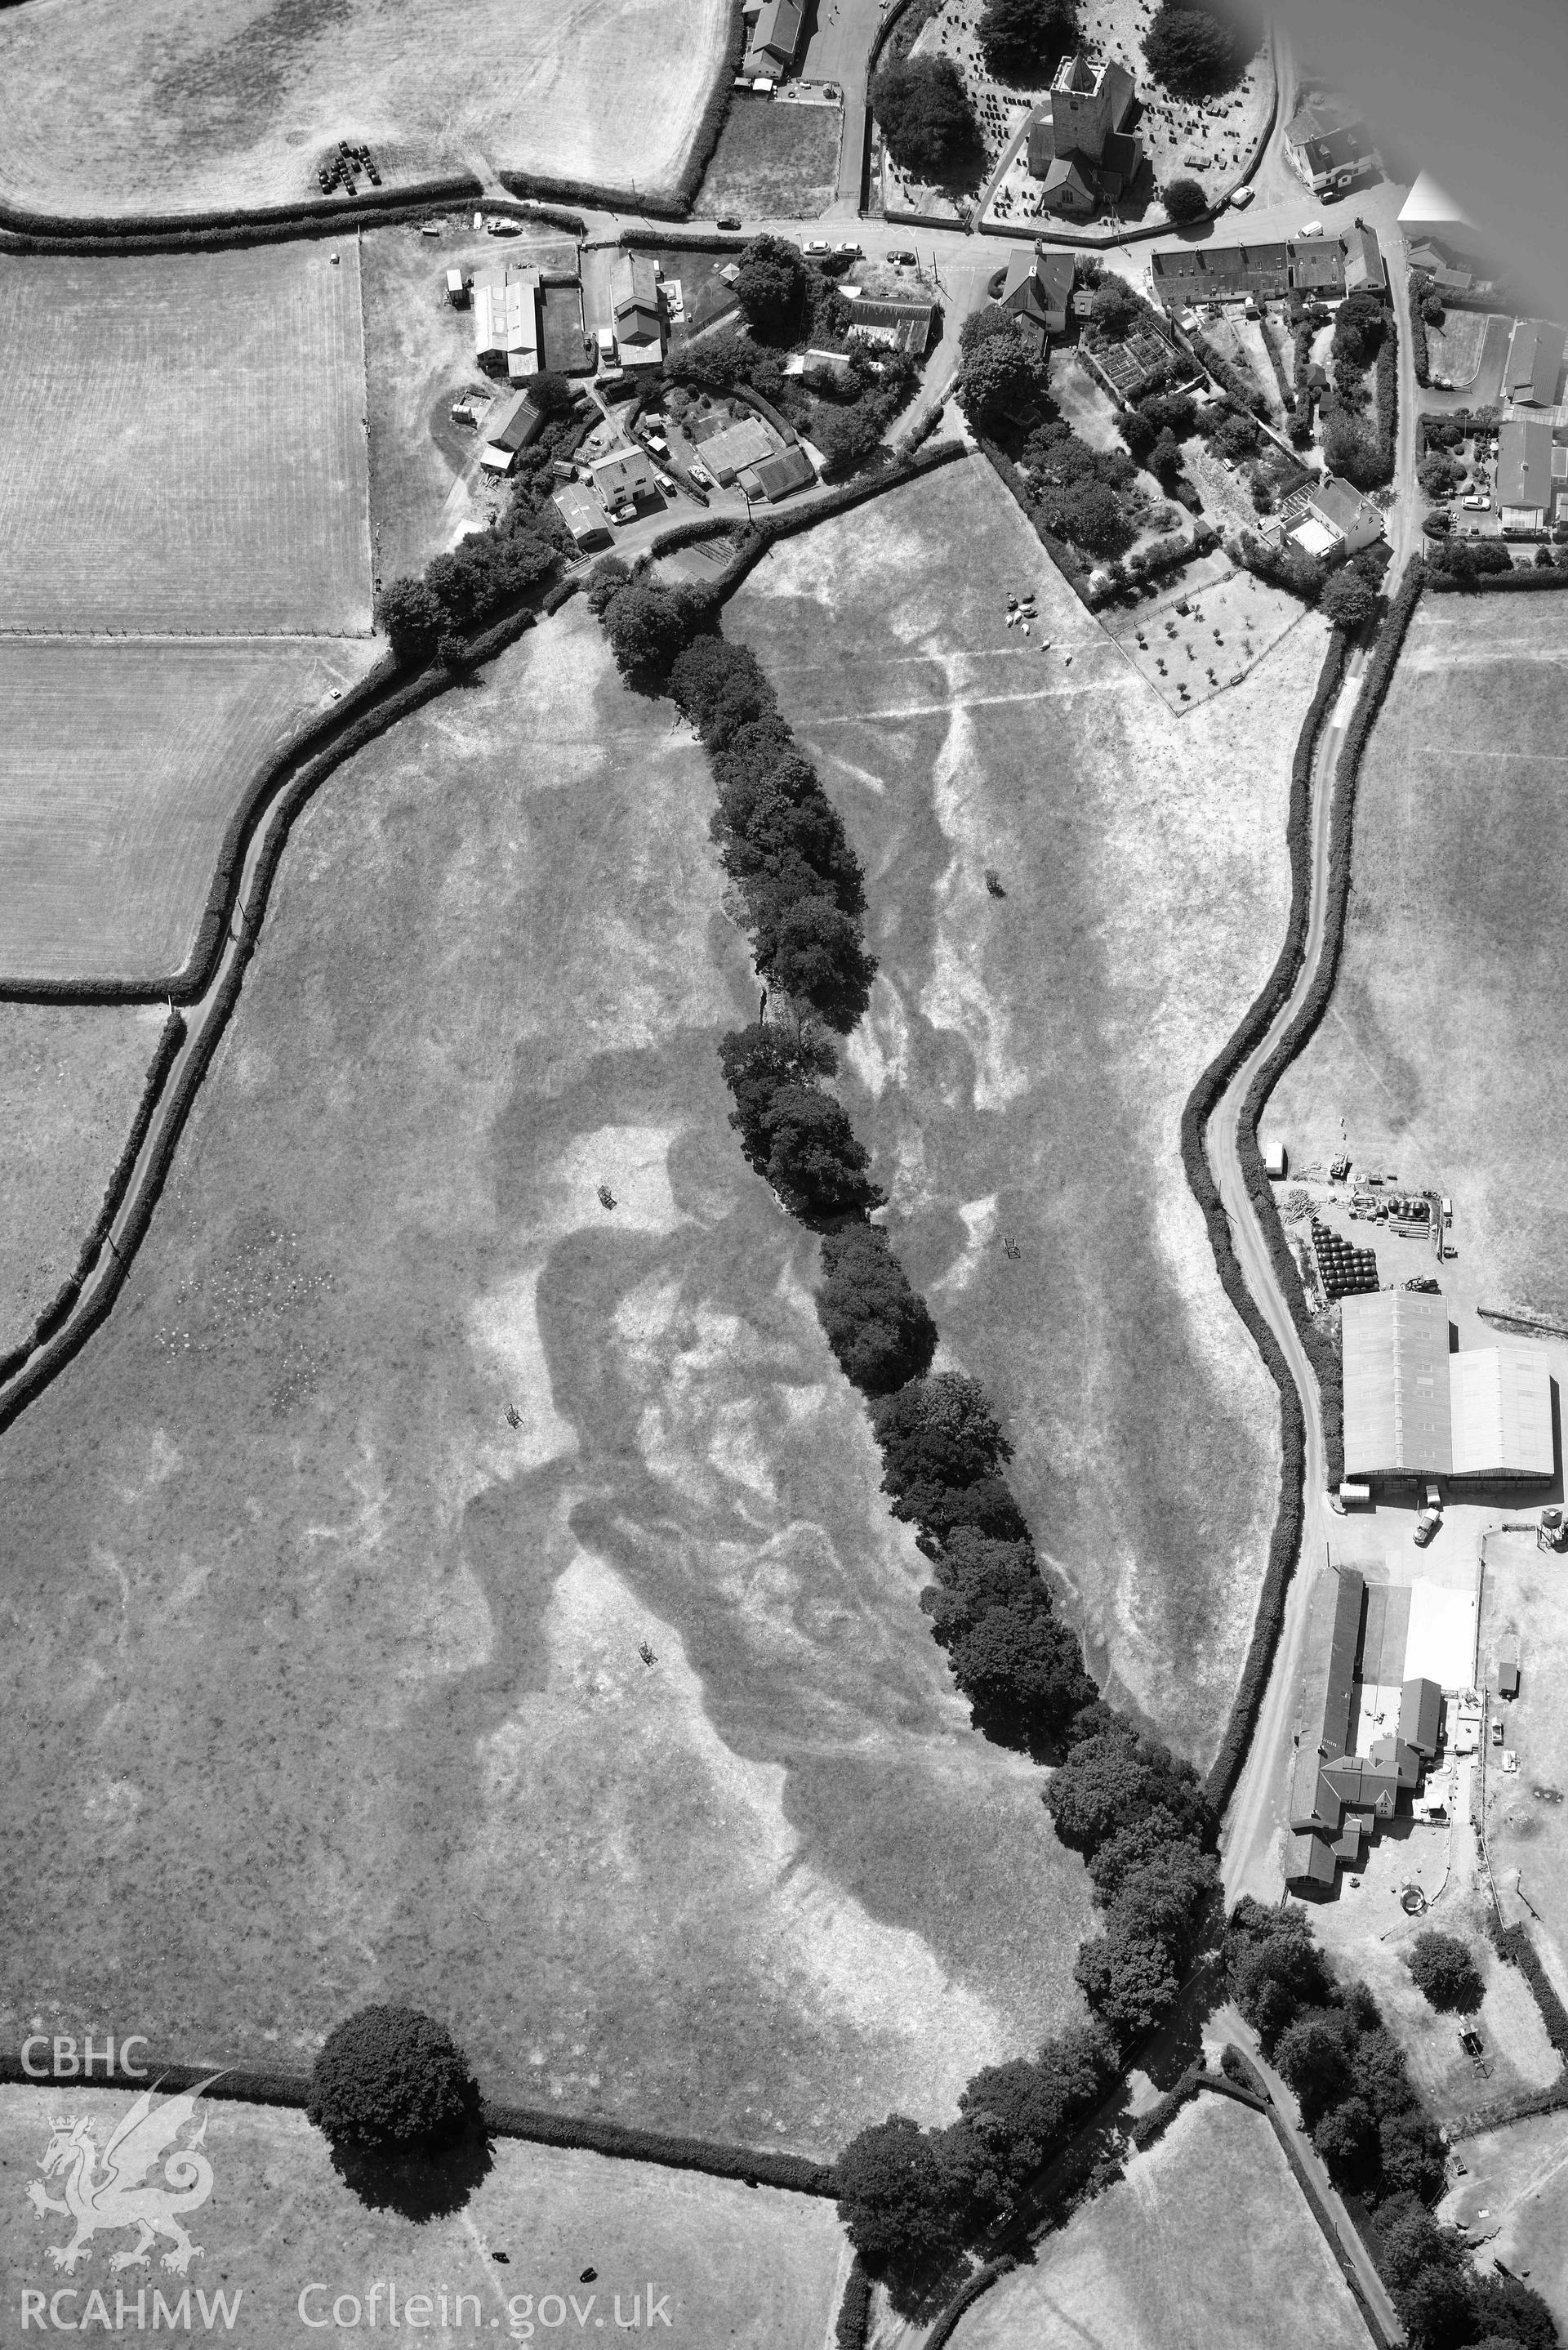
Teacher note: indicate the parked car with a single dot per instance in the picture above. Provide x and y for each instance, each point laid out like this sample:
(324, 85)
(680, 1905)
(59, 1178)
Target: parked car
(1309, 228)
(1426, 1525)
(665, 483)
(903, 260)
(1241, 198)
(727, 220)
(817, 246)
(1479, 502)
(1496, 1733)
(848, 248)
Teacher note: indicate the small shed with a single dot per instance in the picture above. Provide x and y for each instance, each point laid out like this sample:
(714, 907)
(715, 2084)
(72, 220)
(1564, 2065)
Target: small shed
(1508, 1666)
(457, 289)
(1275, 1163)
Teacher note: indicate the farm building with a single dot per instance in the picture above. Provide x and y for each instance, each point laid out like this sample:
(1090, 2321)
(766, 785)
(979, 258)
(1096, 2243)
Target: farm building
(624, 478)
(1534, 363)
(634, 298)
(506, 322)
(773, 39)
(1348, 1771)
(1078, 150)
(729, 448)
(1037, 290)
(902, 325)
(1328, 145)
(1415, 1409)
(508, 429)
(778, 477)
(1531, 473)
(583, 515)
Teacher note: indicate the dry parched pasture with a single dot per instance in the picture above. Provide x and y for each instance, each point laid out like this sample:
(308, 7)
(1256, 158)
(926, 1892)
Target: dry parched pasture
(762, 2271)
(184, 450)
(193, 105)
(1207, 2243)
(616, 1736)
(1024, 1067)
(120, 765)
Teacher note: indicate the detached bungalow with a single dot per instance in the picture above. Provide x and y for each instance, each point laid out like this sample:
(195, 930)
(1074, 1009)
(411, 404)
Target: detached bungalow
(770, 53)
(1534, 363)
(1529, 483)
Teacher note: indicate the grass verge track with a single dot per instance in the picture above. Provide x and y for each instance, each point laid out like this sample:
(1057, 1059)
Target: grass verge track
(758, 2270)
(1026, 1058)
(185, 445)
(120, 765)
(766, 1887)
(196, 103)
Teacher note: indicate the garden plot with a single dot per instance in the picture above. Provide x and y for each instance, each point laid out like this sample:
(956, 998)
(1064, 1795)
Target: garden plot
(1024, 1063)
(195, 104)
(763, 2269)
(1454, 349)
(1231, 622)
(773, 162)
(184, 452)
(120, 765)
(615, 1735)
(70, 1078)
(1207, 2243)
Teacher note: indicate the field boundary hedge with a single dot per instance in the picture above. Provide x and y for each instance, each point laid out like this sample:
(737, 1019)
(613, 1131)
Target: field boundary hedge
(1514, 1944)
(22, 231)
(1500, 582)
(1320, 2212)
(794, 2174)
(964, 2300)
(1152, 2125)
(1285, 1543)
(854, 2321)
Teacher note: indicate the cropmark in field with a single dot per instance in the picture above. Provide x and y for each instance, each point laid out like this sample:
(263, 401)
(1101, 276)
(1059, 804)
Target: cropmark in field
(184, 450)
(1206, 2244)
(1024, 1067)
(458, 1557)
(195, 104)
(285, 2241)
(120, 765)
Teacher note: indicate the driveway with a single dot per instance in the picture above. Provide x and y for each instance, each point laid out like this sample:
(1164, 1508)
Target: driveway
(840, 34)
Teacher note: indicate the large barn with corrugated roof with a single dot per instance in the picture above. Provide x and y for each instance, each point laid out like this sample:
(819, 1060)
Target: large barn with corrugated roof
(1413, 1409)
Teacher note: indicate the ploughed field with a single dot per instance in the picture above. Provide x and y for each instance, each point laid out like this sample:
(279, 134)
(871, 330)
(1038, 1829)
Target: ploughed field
(285, 2241)
(120, 766)
(1207, 2243)
(616, 1736)
(1444, 1049)
(70, 1078)
(202, 105)
(1023, 1065)
(184, 451)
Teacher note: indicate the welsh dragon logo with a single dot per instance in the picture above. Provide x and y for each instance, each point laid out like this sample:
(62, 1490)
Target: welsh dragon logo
(109, 2188)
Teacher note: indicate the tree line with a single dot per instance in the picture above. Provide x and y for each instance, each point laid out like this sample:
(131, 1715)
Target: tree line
(911, 2196)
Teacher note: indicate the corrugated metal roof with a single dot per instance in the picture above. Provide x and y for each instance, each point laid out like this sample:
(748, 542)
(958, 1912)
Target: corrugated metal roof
(1421, 1714)
(1501, 1409)
(1327, 1692)
(1394, 1351)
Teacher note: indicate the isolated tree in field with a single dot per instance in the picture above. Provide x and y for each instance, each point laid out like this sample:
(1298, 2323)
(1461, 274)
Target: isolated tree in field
(1185, 201)
(1025, 40)
(999, 374)
(878, 1327)
(1192, 50)
(392, 2077)
(411, 619)
(1445, 1970)
(924, 113)
(770, 284)
(900, 2198)
(1349, 602)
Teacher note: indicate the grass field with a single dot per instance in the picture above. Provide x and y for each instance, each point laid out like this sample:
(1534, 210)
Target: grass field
(1026, 1058)
(426, 489)
(1207, 2243)
(1444, 1049)
(186, 439)
(121, 765)
(1527, 1833)
(290, 1603)
(724, 2264)
(201, 103)
(70, 1077)
(1519, 2179)
(773, 161)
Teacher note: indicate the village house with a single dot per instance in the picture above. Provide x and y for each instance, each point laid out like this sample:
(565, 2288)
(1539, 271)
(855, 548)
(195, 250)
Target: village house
(773, 39)
(638, 320)
(1328, 145)
(1534, 363)
(1038, 290)
(1531, 473)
